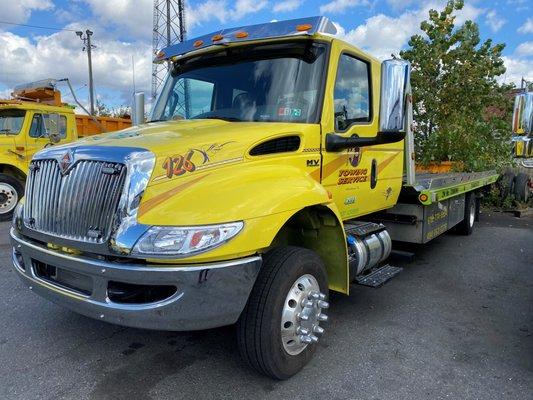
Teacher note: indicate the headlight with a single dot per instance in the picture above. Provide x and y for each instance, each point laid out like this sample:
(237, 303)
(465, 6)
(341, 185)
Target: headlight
(170, 241)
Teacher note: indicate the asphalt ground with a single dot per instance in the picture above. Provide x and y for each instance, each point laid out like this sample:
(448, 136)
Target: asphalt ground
(457, 323)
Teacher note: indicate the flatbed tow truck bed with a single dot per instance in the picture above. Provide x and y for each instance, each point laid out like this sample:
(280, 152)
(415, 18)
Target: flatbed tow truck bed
(431, 187)
(433, 205)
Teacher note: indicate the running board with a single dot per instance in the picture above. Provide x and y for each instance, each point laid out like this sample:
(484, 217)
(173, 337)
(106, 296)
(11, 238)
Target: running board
(378, 276)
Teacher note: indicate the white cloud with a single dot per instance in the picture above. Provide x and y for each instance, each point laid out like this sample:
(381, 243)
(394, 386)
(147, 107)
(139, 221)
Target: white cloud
(517, 68)
(59, 56)
(527, 27)
(287, 5)
(5, 94)
(135, 17)
(338, 6)
(20, 11)
(525, 49)
(494, 20)
(221, 10)
(383, 35)
(400, 4)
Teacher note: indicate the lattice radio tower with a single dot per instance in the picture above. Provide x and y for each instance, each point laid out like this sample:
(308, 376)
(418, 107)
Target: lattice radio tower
(169, 28)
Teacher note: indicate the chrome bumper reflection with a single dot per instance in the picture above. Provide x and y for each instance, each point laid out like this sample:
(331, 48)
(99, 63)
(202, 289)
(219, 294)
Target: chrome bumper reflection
(205, 296)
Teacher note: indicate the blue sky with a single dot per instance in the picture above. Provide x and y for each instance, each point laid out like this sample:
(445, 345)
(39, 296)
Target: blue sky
(123, 34)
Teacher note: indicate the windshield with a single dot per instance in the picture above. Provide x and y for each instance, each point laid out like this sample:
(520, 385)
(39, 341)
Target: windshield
(11, 121)
(270, 83)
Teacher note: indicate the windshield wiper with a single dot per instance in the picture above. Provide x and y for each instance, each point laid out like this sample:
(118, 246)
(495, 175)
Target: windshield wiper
(224, 118)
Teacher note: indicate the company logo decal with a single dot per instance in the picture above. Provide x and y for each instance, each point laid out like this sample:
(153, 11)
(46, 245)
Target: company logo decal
(349, 176)
(65, 161)
(349, 200)
(355, 157)
(180, 164)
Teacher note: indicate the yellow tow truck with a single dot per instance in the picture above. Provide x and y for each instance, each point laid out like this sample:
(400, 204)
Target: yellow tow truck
(521, 183)
(33, 119)
(277, 165)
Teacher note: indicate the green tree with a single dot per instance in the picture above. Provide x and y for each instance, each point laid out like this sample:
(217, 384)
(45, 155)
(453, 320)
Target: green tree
(461, 112)
(102, 110)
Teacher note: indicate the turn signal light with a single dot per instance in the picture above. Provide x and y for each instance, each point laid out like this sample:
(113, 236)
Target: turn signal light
(303, 27)
(423, 197)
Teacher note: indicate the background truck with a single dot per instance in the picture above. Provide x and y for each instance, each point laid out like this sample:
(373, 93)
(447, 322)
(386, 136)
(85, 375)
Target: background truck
(278, 164)
(520, 182)
(33, 119)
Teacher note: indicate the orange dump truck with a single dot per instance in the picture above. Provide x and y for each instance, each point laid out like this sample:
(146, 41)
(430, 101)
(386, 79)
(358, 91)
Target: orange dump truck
(35, 118)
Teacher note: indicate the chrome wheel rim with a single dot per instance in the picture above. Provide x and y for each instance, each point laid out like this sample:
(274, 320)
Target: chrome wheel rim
(8, 198)
(472, 214)
(302, 314)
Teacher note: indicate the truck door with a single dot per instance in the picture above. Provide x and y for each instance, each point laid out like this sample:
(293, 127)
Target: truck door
(38, 134)
(365, 179)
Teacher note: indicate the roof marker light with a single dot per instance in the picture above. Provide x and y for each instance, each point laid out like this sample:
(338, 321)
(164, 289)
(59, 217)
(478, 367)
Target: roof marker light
(161, 54)
(216, 38)
(241, 35)
(198, 43)
(303, 27)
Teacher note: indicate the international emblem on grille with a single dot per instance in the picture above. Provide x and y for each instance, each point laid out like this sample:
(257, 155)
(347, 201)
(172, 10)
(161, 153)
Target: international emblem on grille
(65, 162)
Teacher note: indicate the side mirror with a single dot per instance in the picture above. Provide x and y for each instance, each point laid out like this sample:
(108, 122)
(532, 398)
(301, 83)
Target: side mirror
(54, 138)
(138, 108)
(395, 86)
(523, 114)
(51, 125)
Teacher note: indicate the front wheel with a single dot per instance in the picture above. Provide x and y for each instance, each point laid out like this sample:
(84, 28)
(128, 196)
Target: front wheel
(279, 328)
(11, 190)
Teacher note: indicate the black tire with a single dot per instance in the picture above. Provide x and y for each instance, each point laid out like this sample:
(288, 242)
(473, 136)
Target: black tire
(521, 187)
(11, 191)
(466, 226)
(505, 184)
(258, 329)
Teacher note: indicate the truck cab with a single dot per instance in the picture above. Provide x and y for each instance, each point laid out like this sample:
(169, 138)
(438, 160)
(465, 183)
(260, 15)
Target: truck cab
(521, 183)
(276, 164)
(34, 119)
(26, 128)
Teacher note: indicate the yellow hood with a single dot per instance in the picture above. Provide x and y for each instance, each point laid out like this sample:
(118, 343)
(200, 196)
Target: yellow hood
(182, 147)
(198, 176)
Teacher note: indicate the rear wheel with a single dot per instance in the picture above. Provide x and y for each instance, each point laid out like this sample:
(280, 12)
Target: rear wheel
(466, 226)
(280, 325)
(505, 184)
(11, 190)
(521, 187)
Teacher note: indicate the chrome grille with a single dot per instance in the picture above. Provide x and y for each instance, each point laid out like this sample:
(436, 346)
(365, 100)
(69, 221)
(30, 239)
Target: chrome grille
(78, 205)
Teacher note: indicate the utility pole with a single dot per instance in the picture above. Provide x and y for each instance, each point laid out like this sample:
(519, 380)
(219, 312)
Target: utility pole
(88, 46)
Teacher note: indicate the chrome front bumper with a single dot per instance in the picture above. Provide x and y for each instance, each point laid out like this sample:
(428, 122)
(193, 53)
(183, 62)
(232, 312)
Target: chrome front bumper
(206, 296)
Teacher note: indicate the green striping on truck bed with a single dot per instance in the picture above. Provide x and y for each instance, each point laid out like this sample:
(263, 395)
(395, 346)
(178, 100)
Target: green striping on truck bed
(437, 187)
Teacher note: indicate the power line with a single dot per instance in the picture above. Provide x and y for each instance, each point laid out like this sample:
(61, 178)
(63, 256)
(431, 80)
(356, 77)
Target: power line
(37, 26)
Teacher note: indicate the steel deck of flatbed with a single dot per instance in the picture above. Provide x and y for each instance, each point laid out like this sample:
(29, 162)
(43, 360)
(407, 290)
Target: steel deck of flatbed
(435, 187)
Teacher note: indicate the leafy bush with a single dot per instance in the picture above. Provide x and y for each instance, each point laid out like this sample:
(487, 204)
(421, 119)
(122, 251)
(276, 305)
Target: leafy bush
(461, 112)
